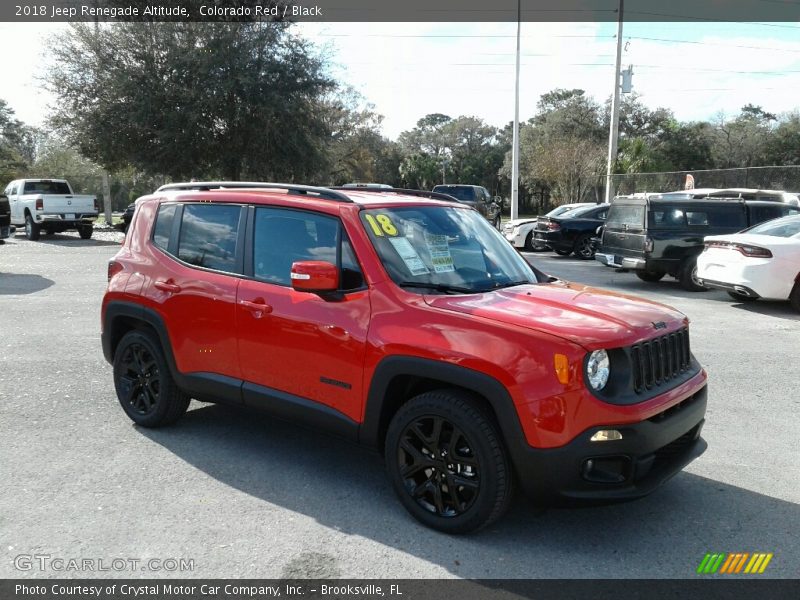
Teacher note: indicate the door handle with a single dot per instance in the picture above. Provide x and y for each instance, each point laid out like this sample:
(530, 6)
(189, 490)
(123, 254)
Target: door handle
(167, 286)
(258, 308)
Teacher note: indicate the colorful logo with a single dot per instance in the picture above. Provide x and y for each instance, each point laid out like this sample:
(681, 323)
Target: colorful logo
(732, 563)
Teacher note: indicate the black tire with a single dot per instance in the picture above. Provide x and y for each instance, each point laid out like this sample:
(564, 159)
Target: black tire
(450, 423)
(529, 242)
(741, 297)
(650, 276)
(584, 248)
(85, 231)
(144, 385)
(562, 252)
(794, 297)
(498, 223)
(688, 276)
(32, 230)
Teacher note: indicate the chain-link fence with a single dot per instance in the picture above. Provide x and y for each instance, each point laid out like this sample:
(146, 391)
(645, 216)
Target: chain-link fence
(764, 178)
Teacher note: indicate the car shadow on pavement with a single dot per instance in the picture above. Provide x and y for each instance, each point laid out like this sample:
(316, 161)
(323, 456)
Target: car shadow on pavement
(66, 240)
(781, 310)
(12, 284)
(343, 487)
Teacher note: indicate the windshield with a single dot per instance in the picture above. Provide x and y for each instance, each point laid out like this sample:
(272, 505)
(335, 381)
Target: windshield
(785, 227)
(444, 249)
(577, 212)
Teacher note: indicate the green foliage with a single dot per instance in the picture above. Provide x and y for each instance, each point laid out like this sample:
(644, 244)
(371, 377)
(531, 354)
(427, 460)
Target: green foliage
(17, 144)
(236, 100)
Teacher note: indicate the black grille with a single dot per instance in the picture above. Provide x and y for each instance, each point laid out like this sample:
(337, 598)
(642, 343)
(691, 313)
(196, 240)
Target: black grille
(656, 361)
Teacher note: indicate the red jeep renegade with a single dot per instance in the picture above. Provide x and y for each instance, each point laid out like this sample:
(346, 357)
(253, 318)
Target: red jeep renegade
(402, 320)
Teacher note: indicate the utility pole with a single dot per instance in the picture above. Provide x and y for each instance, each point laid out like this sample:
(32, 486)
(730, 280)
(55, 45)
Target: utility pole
(614, 130)
(515, 142)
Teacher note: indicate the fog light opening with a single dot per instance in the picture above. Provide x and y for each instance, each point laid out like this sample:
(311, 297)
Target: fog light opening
(606, 469)
(606, 435)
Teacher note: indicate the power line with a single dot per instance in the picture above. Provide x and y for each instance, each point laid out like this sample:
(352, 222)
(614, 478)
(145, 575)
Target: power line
(706, 43)
(710, 20)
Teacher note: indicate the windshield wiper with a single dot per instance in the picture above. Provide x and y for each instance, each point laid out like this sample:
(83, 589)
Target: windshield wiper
(439, 287)
(506, 284)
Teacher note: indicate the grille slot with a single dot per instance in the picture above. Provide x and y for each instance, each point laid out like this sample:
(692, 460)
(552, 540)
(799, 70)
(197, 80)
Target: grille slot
(659, 360)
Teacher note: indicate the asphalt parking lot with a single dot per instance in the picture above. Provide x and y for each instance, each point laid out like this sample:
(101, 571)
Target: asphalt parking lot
(246, 496)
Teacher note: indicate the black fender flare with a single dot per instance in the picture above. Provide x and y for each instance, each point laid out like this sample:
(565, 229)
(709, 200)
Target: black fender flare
(376, 417)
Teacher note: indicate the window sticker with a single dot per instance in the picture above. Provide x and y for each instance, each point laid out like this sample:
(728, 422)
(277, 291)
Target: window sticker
(441, 259)
(409, 255)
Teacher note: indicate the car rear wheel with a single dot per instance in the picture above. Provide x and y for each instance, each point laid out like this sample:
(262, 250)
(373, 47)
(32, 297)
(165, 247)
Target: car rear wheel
(498, 223)
(562, 252)
(529, 242)
(32, 230)
(85, 231)
(650, 276)
(143, 382)
(688, 276)
(794, 297)
(584, 249)
(447, 463)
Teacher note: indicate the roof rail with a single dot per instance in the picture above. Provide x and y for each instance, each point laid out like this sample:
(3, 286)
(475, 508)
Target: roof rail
(293, 189)
(421, 193)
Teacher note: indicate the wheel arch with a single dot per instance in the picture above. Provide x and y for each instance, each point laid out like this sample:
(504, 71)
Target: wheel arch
(121, 317)
(397, 379)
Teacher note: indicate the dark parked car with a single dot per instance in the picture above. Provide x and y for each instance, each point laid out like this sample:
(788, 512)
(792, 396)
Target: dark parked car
(475, 196)
(127, 216)
(662, 235)
(572, 231)
(5, 219)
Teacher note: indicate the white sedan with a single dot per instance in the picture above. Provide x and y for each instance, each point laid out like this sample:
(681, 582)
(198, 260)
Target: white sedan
(760, 262)
(520, 231)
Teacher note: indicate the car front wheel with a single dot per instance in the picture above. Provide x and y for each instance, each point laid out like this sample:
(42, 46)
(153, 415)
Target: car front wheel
(447, 463)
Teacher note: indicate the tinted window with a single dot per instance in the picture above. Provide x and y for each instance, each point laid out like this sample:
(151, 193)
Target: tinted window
(462, 193)
(282, 237)
(581, 211)
(163, 227)
(46, 187)
(624, 214)
(786, 227)
(759, 214)
(670, 218)
(209, 233)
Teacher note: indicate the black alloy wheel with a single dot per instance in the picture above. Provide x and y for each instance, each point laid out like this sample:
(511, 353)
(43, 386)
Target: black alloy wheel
(447, 461)
(144, 384)
(139, 380)
(584, 248)
(438, 466)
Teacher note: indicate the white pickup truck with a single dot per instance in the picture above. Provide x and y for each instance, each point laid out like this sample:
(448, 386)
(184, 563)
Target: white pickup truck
(50, 205)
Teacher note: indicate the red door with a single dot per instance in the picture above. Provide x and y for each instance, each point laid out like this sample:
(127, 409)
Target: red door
(297, 342)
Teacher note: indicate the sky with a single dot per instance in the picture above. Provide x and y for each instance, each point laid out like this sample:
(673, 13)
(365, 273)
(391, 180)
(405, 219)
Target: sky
(408, 70)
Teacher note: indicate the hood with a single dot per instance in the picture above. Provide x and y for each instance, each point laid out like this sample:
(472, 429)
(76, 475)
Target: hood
(590, 317)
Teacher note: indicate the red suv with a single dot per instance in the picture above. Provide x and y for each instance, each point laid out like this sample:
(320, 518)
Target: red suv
(402, 320)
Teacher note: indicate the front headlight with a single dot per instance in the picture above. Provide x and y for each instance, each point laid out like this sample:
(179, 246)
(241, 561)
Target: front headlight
(598, 368)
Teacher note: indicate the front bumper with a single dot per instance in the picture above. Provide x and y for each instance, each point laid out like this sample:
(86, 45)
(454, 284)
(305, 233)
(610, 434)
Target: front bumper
(649, 453)
(621, 262)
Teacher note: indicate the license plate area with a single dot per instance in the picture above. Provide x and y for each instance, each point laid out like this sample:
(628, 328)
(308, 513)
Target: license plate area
(69, 217)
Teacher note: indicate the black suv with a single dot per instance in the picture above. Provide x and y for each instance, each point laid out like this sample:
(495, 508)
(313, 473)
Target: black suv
(571, 231)
(657, 235)
(475, 196)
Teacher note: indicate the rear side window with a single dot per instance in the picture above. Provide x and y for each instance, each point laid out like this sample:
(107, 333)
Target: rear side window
(164, 219)
(759, 214)
(209, 234)
(622, 215)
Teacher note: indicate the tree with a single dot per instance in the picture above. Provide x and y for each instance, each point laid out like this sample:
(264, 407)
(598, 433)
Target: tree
(17, 144)
(237, 100)
(742, 141)
(783, 148)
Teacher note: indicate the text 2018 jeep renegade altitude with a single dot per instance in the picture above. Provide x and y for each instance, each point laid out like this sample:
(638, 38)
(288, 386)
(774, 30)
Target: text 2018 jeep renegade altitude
(406, 322)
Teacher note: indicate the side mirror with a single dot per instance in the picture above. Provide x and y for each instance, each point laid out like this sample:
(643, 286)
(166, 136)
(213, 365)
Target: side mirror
(315, 276)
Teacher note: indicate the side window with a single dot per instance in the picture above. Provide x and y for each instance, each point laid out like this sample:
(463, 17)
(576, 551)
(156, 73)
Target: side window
(669, 218)
(282, 237)
(601, 215)
(209, 233)
(163, 226)
(697, 219)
